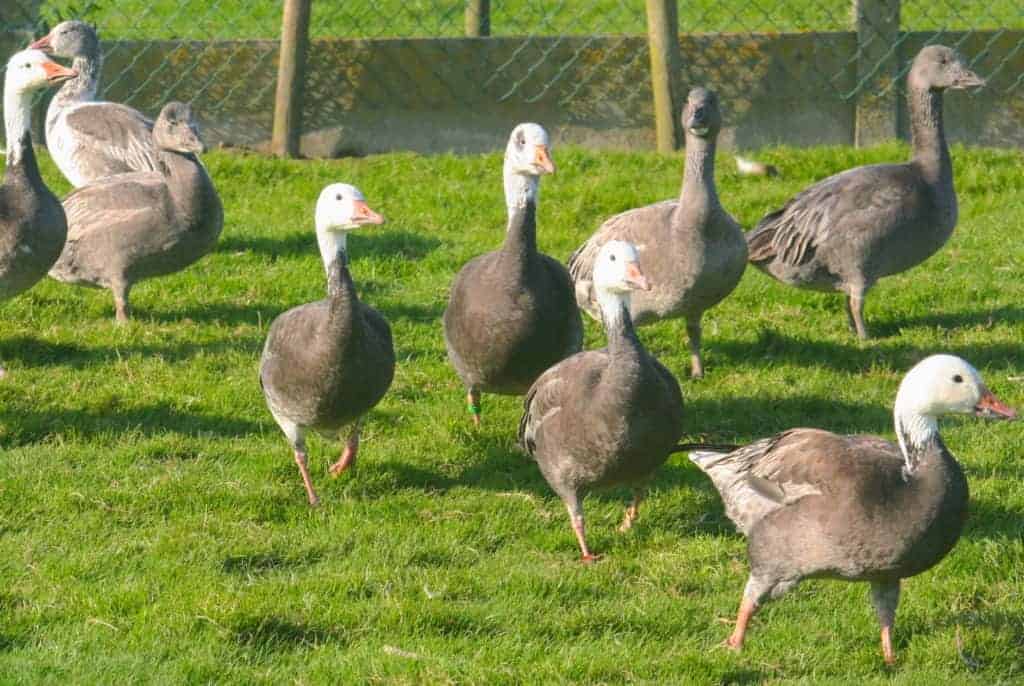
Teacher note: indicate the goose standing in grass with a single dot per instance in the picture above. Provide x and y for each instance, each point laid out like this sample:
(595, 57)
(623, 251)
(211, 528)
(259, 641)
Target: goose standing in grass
(850, 230)
(692, 249)
(90, 139)
(511, 313)
(32, 223)
(129, 227)
(815, 504)
(327, 363)
(604, 417)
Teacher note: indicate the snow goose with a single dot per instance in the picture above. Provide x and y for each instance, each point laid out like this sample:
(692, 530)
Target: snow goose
(859, 508)
(511, 313)
(692, 249)
(88, 139)
(129, 227)
(604, 417)
(850, 230)
(32, 223)
(327, 363)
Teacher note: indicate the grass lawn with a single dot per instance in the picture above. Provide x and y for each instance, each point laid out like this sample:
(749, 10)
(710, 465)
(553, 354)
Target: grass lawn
(153, 526)
(134, 19)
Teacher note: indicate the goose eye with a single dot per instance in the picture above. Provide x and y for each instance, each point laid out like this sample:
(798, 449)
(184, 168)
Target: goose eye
(338, 196)
(958, 379)
(611, 257)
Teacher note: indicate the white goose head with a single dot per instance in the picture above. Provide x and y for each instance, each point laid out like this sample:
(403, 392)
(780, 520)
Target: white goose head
(527, 157)
(30, 70)
(616, 274)
(938, 385)
(340, 208)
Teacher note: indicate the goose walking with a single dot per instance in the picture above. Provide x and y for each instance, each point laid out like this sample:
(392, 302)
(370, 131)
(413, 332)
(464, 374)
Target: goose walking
(32, 223)
(90, 139)
(126, 228)
(859, 508)
(327, 363)
(511, 312)
(850, 230)
(692, 249)
(604, 417)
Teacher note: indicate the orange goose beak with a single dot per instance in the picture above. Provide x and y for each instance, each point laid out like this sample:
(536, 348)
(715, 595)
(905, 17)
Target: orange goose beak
(364, 215)
(635, 278)
(542, 159)
(56, 73)
(992, 407)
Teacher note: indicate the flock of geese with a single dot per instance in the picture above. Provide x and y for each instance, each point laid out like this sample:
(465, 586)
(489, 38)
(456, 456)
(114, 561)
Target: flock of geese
(811, 503)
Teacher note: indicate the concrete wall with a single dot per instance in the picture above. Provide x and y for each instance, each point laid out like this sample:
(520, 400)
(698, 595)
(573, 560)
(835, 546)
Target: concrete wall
(465, 94)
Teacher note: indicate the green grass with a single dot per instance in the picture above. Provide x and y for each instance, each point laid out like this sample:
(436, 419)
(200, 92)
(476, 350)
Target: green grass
(153, 526)
(134, 19)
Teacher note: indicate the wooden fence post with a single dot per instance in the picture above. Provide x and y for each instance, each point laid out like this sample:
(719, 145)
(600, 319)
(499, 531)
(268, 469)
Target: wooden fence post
(478, 18)
(878, 33)
(663, 38)
(291, 77)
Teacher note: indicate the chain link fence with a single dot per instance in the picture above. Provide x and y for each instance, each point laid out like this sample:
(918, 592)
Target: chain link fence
(585, 62)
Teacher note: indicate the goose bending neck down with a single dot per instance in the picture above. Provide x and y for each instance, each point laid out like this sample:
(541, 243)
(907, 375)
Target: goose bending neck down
(326, 364)
(858, 508)
(130, 227)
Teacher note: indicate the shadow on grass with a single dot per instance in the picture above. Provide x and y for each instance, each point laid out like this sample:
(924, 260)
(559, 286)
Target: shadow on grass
(214, 313)
(274, 634)
(374, 242)
(1007, 314)
(855, 357)
(990, 519)
(22, 426)
(265, 563)
(31, 352)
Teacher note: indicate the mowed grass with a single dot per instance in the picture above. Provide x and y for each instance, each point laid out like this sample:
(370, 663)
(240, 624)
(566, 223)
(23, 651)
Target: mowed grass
(154, 529)
(162, 19)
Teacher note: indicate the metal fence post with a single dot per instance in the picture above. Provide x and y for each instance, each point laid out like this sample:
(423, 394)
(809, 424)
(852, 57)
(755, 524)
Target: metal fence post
(663, 37)
(291, 76)
(878, 32)
(478, 18)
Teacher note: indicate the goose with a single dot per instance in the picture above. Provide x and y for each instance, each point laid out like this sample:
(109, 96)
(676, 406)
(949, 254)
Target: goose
(511, 313)
(129, 227)
(850, 230)
(32, 222)
(91, 139)
(859, 508)
(327, 363)
(692, 249)
(604, 417)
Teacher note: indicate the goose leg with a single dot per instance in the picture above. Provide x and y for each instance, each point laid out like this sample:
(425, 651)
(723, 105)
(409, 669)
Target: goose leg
(632, 510)
(693, 332)
(885, 596)
(348, 455)
(302, 460)
(576, 519)
(754, 592)
(855, 313)
(473, 403)
(122, 308)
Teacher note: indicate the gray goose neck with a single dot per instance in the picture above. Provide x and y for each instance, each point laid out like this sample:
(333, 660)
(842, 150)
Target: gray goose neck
(699, 193)
(928, 137)
(85, 86)
(521, 235)
(618, 325)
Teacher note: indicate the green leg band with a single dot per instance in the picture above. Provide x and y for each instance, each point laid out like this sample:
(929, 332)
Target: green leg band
(473, 409)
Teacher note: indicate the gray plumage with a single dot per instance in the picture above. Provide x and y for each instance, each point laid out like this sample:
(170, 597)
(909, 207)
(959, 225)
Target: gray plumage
(32, 223)
(126, 228)
(858, 508)
(511, 313)
(603, 417)
(693, 251)
(327, 363)
(89, 140)
(850, 230)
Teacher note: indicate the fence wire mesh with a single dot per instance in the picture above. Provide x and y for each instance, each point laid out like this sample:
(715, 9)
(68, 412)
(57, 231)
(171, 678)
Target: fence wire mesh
(587, 58)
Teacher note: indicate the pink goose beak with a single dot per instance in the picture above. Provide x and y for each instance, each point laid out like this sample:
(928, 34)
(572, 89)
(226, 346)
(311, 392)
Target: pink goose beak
(992, 407)
(43, 43)
(364, 215)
